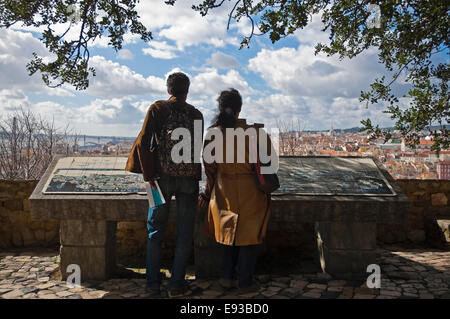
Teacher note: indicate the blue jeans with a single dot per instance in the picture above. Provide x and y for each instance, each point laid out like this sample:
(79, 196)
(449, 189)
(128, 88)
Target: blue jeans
(244, 259)
(186, 191)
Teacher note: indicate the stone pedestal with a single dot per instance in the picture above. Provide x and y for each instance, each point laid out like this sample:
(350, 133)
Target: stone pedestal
(345, 249)
(345, 225)
(89, 244)
(207, 253)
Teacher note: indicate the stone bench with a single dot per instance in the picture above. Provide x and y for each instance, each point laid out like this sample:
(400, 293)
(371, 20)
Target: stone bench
(344, 230)
(345, 227)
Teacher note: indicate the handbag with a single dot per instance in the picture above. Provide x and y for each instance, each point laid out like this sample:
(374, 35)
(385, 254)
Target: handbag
(268, 183)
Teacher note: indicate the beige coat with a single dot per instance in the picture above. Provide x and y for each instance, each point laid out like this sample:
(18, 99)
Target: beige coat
(238, 211)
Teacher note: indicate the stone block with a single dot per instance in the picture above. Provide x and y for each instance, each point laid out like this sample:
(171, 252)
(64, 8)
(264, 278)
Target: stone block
(96, 263)
(17, 239)
(207, 261)
(35, 225)
(28, 238)
(13, 204)
(5, 240)
(419, 196)
(439, 199)
(89, 244)
(416, 236)
(344, 250)
(207, 253)
(86, 233)
(347, 235)
(346, 264)
(40, 235)
(4, 196)
(51, 236)
(391, 233)
(444, 225)
(51, 225)
(26, 204)
(131, 225)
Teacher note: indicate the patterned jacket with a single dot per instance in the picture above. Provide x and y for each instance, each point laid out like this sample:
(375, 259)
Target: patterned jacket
(144, 160)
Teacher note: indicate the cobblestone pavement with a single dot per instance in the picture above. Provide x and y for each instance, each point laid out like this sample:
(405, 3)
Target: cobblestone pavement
(406, 273)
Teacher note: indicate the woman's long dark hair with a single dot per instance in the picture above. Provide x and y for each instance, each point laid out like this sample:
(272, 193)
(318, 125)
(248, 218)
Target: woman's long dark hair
(230, 103)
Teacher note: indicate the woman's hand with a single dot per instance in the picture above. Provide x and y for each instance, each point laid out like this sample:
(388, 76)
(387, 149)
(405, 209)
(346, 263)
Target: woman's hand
(202, 202)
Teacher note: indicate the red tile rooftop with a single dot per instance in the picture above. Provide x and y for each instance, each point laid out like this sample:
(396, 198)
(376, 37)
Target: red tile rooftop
(425, 142)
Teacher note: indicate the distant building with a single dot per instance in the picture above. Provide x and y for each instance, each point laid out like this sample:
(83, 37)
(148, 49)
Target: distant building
(443, 170)
(444, 156)
(424, 144)
(393, 144)
(89, 147)
(126, 146)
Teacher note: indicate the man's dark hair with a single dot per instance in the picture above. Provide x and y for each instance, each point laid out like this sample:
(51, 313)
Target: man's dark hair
(178, 84)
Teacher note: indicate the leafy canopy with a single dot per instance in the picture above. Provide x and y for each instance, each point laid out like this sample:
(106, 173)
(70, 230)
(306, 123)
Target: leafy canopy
(90, 18)
(409, 36)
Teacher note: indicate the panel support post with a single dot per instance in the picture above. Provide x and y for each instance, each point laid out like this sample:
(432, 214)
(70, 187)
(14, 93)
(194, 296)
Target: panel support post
(91, 244)
(345, 249)
(207, 253)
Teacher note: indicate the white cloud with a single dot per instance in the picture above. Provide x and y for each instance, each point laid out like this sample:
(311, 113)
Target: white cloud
(103, 42)
(211, 82)
(311, 112)
(115, 80)
(160, 50)
(221, 60)
(184, 26)
(74, 33)
(312, 33)
(319, 90)
(300, 72)
(11, 99)
(116, 117)
(111, 111)
(16, 50)
(125, 54)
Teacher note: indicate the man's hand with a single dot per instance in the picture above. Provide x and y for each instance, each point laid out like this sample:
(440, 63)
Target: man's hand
(151, 181)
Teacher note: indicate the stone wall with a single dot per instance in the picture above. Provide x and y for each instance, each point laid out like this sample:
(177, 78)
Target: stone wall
(16, 227)
(132, 241)
(429, 199)
(18, 230)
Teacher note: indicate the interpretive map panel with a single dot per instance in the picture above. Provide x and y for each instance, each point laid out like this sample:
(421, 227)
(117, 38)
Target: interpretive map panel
(93, 175)
(298, 176)
(332, 176)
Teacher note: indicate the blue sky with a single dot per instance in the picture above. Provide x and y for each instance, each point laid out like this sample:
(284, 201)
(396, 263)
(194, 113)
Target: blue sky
(283, 81)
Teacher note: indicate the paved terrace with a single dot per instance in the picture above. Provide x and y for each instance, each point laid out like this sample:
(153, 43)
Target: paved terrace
(406, 273)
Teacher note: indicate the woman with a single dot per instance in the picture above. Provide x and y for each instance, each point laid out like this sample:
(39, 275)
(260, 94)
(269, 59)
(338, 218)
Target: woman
(238, 211)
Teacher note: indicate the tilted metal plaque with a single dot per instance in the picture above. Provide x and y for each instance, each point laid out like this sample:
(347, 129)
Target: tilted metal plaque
(93, 175)
(345, 176)
(332, 176)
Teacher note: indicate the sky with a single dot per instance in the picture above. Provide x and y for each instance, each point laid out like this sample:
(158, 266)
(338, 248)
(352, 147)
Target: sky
(282, 81)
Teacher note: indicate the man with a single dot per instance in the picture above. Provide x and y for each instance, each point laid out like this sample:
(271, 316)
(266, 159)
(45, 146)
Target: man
(152, 155)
